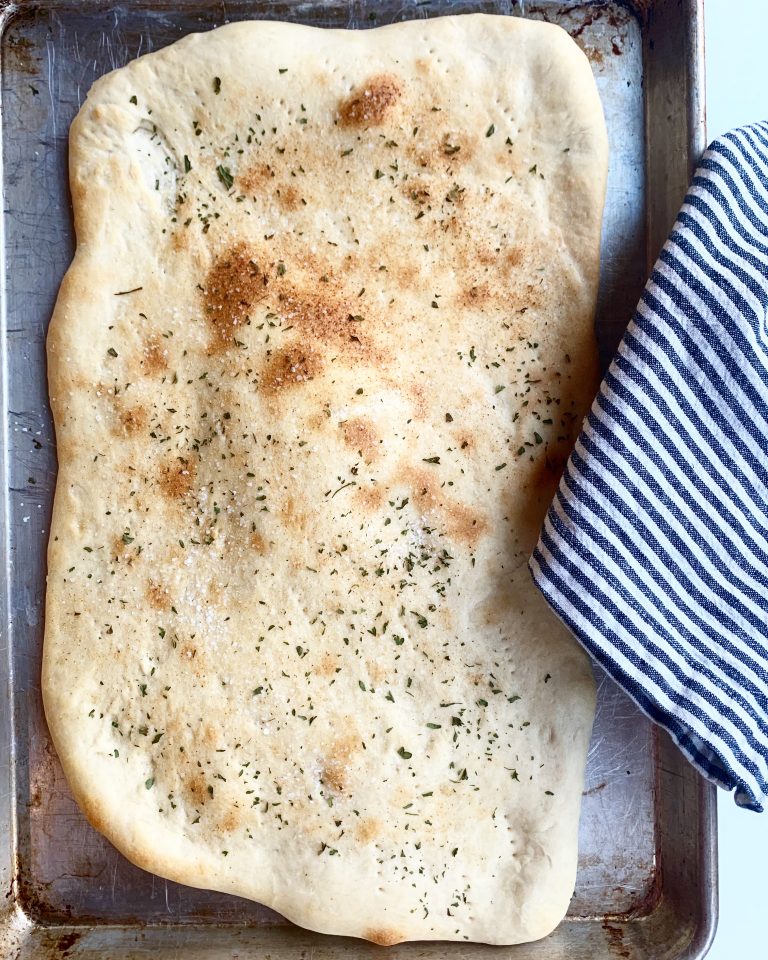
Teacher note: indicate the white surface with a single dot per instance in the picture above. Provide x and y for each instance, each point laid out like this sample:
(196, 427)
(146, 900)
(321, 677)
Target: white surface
(737, 93)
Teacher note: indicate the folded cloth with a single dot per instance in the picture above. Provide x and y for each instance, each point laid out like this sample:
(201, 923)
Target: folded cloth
(655, 549)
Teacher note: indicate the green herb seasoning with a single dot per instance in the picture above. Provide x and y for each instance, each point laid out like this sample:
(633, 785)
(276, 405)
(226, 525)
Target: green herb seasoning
(225, 176)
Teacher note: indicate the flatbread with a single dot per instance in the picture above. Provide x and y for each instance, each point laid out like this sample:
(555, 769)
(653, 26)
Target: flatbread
(315, 370)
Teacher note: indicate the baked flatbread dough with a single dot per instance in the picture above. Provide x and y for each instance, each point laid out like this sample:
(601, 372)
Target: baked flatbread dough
(315, 369)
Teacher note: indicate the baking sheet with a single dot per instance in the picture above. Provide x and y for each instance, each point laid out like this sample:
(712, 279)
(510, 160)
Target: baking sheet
(646, 818)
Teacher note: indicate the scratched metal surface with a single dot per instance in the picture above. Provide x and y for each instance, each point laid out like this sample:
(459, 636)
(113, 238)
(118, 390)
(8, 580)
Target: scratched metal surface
(57, 869)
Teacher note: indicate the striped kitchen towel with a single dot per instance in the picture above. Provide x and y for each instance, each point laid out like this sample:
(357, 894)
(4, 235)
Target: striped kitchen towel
(655, 549)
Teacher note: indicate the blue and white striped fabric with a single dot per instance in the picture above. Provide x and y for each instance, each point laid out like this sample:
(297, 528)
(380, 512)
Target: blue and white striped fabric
(655, 549)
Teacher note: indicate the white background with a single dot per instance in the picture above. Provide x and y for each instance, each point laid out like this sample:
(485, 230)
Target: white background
(737, 92)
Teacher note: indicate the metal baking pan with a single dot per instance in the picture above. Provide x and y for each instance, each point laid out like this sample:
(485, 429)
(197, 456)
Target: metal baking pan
(646, 882)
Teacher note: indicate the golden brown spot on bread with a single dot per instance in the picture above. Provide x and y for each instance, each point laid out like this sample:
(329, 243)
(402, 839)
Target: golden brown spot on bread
(370, 104)
(475, 296)
(406, 274)
(445, 153)
(514, 257)
(229, 822)
(328, 316)
(293, 516)
(416, 393)
(452, 225)
(360, 434)
(154, 356)
(460, 522)
(468, 151)
(258, 543)
(367, 830)
(134, 419)
(336, 766)
(486, 256)
(123, 547)
(93, 813)
(383, 936)
(288, 197)
(327, 665)
(318, 421)
(196, 789)
(290, 367)
(417, 192)
(254, 179)
(180, 240)
(369, 498)
(176, 478)
(333, 777)
(377, 671)
(233, 285)
(210, 735)
(157, 596)
(463, 523)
